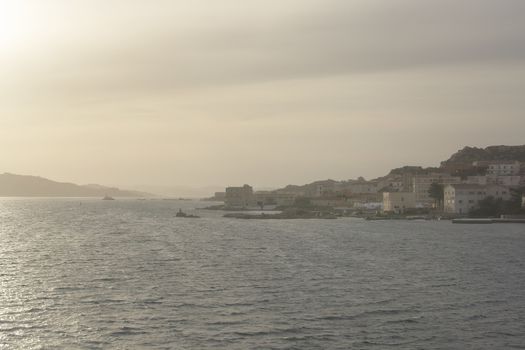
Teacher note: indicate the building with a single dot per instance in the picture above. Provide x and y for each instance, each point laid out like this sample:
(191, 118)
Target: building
(368, 205)
(421, 185)
(398, 202)
(274, 198)
(476, 180)
(507, 181)
(321, 189)
(392, 185)
(360, 187)
(239, 197)
(503, 168)
(462, 198)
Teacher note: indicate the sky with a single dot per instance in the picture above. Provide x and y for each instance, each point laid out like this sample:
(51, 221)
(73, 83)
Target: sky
(213, 93)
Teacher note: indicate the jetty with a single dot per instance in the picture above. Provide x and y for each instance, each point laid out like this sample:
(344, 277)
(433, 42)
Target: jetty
(503, 220)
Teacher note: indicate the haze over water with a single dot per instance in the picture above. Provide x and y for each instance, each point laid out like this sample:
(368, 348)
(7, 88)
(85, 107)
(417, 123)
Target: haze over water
(127, 274)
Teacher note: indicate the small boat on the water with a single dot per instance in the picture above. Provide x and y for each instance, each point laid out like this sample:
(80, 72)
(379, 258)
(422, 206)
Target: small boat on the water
(108, 198)
(181, 214)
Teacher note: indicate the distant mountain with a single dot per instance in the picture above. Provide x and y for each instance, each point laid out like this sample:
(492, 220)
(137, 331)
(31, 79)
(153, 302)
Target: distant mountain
(471, 154)
(179, 190)
(12, 185)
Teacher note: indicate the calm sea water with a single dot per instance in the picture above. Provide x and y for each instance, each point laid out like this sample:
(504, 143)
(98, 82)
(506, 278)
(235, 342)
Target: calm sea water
(127, 274)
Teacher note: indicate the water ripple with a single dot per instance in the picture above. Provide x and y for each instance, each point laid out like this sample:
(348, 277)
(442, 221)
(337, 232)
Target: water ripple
(128, 275)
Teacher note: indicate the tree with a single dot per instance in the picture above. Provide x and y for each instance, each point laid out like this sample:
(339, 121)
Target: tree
(302, 202)
(436, 191)
(516, 195)
(489, 207)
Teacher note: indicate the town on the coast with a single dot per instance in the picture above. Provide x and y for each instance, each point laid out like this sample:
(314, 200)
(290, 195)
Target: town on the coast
(474, 182)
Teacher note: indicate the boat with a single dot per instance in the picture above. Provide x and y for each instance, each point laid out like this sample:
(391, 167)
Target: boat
(473, 221)
(108, 198)
(181, 214)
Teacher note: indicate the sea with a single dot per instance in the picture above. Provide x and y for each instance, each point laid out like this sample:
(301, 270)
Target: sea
(128, 274)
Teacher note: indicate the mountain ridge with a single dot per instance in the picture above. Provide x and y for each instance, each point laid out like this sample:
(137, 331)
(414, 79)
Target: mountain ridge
(14, 185)
(491, 153)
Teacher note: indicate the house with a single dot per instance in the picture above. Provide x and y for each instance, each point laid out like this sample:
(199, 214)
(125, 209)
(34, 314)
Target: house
(398, 202)
(462, 198)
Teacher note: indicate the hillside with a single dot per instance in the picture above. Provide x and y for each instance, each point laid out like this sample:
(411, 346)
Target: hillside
(12, 185)
(471, 154)
(463, 157)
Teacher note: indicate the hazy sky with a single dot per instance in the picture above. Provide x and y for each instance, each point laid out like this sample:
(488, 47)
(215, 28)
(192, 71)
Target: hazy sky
(267, 92)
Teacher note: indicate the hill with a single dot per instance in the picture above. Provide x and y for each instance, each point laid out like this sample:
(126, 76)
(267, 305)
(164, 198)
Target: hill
(459, 164)
(471, 154)
(12, 185)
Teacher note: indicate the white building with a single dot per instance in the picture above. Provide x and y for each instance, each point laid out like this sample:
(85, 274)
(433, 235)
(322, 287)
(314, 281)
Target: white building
(505, 180)
(398, 202)
(462, 198)
(503, 168)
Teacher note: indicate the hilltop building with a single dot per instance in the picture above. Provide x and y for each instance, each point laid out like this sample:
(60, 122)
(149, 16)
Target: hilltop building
(507, 181)
(503, 168)
(392, 184)
(320, 189)
(359, 187)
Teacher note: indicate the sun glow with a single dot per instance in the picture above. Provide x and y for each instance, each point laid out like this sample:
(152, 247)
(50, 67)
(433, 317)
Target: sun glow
(18, 22)
(10, 21)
